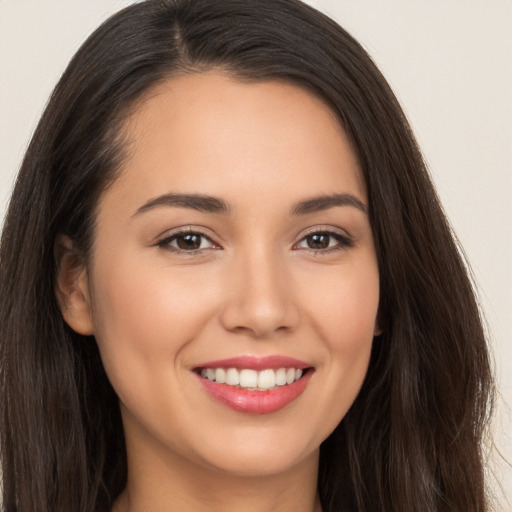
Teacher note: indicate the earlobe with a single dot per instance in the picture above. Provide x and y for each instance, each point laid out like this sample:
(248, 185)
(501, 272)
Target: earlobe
(72, 287)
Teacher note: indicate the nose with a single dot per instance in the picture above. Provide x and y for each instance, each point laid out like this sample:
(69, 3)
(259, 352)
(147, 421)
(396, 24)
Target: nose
(260, 299)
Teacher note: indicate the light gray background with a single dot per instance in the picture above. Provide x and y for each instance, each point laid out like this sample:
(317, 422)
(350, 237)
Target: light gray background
(450, 64)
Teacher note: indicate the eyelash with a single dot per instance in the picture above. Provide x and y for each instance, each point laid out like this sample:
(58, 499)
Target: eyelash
(343, 242)
(166, 242)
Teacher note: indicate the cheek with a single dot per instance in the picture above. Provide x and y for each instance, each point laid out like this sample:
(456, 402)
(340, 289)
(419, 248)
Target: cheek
(345, 305)
(137, 299)
(344, 308)
(145, 314)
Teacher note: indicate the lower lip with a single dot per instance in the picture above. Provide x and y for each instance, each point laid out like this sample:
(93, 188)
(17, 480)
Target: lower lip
(256, 402)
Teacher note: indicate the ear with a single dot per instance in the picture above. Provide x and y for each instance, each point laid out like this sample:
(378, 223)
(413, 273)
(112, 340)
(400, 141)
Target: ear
(72, 287)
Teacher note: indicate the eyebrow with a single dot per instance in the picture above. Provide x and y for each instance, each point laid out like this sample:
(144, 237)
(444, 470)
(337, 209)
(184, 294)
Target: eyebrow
(320, 203)
(198, 202)
(210, 204)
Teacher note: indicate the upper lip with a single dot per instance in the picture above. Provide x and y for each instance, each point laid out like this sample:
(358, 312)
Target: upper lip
(256, 363)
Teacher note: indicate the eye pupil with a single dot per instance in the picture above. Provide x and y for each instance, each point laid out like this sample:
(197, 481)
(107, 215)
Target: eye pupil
(189, 242)
(318, 241)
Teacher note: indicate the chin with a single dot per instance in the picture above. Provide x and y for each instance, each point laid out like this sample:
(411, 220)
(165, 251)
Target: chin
(259, 457)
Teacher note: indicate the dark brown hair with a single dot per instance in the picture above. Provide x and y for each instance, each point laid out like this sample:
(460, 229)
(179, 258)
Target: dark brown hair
(412, 441)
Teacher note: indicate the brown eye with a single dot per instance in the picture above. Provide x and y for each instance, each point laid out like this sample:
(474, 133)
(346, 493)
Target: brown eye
(325, 241)
(318, 240)
(188, 241)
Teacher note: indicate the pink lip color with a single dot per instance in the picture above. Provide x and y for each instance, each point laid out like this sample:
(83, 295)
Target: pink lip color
(251, 401)
(256, 363)
(256, 402)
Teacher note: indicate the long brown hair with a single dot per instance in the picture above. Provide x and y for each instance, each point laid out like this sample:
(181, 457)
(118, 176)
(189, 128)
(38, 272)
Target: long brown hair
(412, 441)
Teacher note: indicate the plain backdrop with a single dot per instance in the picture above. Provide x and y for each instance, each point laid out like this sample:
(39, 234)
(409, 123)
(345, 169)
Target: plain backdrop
(448, 61)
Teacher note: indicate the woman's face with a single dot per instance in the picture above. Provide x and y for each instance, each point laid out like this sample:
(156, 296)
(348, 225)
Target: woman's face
(235, 245)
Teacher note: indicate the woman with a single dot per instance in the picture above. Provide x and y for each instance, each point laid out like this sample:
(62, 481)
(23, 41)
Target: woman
(227, 281)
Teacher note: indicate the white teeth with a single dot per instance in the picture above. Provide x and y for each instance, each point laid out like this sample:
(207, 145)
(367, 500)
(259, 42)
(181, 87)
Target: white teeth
(232, 377)
(266, 379)
(248, 379)
(281, 377)
(252, 379)
(220, 375)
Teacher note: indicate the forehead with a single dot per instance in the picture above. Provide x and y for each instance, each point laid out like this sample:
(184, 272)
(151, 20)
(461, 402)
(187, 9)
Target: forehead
(211, 133)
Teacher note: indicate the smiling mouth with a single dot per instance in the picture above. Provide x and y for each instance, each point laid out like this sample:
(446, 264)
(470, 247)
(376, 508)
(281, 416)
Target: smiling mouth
(254, 387)
(263, 380)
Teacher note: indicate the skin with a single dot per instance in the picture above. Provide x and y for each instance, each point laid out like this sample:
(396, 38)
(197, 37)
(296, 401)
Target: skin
(255, 287)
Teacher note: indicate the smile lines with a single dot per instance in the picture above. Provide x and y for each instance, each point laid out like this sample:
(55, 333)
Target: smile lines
(252, 379)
